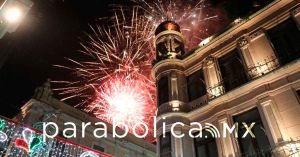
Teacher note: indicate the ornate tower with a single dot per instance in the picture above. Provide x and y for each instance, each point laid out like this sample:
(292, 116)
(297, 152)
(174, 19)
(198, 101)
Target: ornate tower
(172, 96)
(169, 41)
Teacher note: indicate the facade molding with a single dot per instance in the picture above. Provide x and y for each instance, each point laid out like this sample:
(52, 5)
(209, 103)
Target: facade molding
(258, 87)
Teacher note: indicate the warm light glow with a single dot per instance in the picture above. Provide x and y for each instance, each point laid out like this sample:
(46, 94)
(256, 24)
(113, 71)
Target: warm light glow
(13, 15)
(238, 20)
(171, 26)
(205, 41)
(175, 105)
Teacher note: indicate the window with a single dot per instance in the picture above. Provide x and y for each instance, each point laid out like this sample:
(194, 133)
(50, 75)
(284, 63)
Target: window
(258, 146)
(165, 145)
(196, 85)
(285, 38)
(99, 148)
(233, 73)
(163, 90)
(206, 146)
(298, 94)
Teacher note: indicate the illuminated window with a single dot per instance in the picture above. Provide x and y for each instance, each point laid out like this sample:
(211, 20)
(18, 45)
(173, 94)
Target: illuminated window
(258, 146)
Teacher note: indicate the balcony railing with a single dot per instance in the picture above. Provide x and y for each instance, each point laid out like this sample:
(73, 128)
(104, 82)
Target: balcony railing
(287, 149)
(17, 140)
(260, 153)
(216, 90)
(262, 68)
(172, 106)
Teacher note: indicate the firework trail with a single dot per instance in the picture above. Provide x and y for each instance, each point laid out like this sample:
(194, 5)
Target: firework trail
(197, 18)
(113, 75)
(114, 83)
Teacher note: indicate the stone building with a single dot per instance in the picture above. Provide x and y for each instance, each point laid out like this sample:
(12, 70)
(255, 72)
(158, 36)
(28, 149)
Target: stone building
(43, 107)
(249, 73)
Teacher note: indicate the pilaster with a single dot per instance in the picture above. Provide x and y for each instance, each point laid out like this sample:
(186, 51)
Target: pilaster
(212, 76)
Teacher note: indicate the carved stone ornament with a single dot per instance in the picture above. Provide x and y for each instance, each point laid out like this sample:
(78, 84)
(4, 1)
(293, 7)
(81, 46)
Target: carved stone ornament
(243, 42)
(209, 60)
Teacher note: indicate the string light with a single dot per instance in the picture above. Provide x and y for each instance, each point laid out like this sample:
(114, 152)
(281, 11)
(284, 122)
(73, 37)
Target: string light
(17, 140)
(88, 154)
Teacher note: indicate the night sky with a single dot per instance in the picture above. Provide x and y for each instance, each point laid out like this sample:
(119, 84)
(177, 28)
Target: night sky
(51, 31)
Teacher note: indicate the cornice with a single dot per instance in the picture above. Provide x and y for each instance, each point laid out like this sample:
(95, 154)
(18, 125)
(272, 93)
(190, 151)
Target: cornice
(238, 30)
(169, 64)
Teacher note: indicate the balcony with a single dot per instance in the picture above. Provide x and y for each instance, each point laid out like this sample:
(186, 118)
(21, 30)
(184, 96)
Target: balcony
(262, 68)
(215, 90)
(172, 106)
(286, 148)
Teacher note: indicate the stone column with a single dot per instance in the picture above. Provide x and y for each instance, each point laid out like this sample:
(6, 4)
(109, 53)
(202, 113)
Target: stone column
(271, 121)
(212, 77)
(228, 144)
(243, 44)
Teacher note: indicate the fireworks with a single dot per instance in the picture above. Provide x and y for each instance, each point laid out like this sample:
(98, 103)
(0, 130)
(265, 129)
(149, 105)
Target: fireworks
(124, 102)
(115, 83)
(197, 19)
(113, 76)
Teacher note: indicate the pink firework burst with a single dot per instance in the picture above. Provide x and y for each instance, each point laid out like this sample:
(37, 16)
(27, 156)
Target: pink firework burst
(197, 18)
(115, 82)
(124, 101)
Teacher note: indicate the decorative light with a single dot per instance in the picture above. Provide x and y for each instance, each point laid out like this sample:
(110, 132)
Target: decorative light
(22, 144)
(13, 15)
(88, 154)
(29, 141)
(3, 136)
(205, 41)
(2, 124)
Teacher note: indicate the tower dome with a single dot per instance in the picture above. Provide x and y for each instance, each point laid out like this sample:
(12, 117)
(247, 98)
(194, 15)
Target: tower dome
(167, 25)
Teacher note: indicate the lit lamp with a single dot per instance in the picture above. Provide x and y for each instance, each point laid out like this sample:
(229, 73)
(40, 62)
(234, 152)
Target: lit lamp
(12, 12)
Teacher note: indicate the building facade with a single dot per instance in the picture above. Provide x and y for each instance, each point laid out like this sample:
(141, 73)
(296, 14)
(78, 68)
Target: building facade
(43, 107)
(248, 74)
